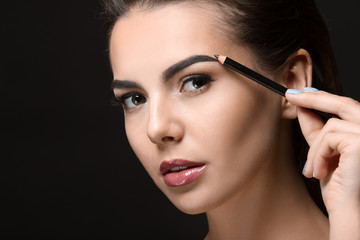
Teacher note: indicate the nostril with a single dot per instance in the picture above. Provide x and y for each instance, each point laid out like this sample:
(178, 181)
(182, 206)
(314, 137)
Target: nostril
(168, 139)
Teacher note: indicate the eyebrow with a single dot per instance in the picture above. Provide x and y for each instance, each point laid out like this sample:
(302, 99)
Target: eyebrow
(177, 67)
(168, 73)
(125, 84)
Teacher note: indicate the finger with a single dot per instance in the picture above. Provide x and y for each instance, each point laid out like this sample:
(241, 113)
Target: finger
(310, 123)
(333, 125)
(326, 157)
(344, 107)
(311, 126)
(333, 147)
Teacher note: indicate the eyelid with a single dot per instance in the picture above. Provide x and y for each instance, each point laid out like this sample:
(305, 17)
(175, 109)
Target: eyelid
(120, 93)
(192, 77)
(126, 95)
(119, 101)
(201, 68)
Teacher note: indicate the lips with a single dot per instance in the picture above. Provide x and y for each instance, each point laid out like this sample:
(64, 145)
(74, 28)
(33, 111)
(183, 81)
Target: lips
(180, 172)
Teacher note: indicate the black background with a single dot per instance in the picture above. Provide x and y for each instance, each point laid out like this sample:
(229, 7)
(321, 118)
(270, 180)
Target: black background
(67, 170)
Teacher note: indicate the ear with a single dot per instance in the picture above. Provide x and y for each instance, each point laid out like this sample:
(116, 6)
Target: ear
(296, 74)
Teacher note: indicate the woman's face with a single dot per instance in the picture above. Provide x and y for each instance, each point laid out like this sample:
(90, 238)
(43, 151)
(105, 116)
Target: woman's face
(201, 131)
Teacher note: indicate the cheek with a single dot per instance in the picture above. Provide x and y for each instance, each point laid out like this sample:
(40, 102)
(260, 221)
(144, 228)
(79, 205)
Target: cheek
(237, 133)
(231, 117)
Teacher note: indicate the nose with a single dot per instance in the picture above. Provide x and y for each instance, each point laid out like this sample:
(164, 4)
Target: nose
(164, 123)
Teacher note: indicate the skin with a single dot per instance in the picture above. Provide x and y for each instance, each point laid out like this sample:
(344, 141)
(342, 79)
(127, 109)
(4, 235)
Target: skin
(250, 189)
(334, 157)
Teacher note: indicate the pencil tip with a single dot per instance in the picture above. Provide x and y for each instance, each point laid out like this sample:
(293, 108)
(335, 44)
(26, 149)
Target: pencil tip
(216, 56)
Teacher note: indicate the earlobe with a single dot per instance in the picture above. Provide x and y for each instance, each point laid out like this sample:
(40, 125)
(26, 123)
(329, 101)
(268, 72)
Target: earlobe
(297, 74)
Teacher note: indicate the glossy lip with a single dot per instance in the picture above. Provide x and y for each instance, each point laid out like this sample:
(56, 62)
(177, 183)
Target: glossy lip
(166, 166)
(181, 177)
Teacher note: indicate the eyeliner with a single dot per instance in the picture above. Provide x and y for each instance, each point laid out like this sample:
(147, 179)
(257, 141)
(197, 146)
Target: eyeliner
(247, 72)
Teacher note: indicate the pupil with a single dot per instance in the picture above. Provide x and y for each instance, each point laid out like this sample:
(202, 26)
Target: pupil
(137, 99)
(198, 83)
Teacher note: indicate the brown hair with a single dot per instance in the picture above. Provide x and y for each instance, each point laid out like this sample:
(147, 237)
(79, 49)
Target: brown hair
(273, 30)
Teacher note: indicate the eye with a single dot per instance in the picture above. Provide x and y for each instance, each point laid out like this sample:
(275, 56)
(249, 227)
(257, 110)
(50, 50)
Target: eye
(196, 83)
(132, 100)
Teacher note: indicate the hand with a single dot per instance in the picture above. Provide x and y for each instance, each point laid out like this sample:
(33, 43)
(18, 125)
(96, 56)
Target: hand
(334, 155)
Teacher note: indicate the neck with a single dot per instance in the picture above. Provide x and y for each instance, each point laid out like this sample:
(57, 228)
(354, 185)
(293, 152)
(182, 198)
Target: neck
(274, 205)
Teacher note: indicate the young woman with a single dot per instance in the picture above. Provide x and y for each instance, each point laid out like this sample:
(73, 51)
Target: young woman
(214, 141)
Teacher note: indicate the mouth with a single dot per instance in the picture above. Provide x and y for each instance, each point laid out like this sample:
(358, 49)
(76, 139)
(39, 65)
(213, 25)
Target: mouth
(180, 172)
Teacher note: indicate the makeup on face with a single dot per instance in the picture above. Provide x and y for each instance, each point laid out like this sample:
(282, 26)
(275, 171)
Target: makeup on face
(169, 72)
(134, 98)
(176, 90)
(179, 172)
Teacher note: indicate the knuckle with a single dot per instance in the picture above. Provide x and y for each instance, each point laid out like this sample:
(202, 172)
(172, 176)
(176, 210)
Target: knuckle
(328, 135)
(333, 121)
(331, 124)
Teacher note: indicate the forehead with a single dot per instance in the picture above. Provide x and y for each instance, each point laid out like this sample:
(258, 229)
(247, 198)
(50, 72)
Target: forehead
(164, 36)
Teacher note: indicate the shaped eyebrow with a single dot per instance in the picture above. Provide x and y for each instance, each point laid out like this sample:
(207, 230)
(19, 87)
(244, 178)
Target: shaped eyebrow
(124, 84)
(168, 73)
(177, 67)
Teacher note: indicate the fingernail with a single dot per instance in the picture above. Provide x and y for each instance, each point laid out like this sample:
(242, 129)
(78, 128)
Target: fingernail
(293, 91)
(304, 169)
(310, 89)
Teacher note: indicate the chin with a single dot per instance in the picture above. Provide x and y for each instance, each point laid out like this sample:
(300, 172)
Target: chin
(190, 201)
(191, 209)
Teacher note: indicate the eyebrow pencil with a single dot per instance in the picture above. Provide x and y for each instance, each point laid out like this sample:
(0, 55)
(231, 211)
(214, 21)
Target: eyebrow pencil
(266, 82)
(247, 72)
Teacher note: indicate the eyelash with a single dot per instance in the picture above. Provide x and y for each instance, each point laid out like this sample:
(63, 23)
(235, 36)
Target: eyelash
(121, 101)
(205, 78)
